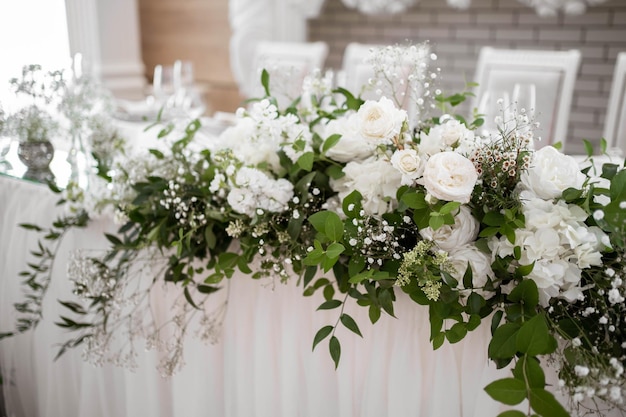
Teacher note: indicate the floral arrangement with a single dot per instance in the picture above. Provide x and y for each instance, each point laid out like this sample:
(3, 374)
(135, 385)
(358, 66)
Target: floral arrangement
(478, 226)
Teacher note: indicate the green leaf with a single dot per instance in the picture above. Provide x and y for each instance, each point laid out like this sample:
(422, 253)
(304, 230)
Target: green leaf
(309, 274)
(524, 270)
(30, 226)
(527, 292)
(468, 277)
(493, 218)
(449, 207)
(502, 345)
(335, 350)
(207, 289)
(473, 322)
(495, 320)
(265, 81)
(209, 237)
(329, 305)
(305, 161)
(475, 302)
(321, 335)
(438, 340)
(189, 299)
(436, 221)
(331, 141)
(158, 154)
(334, 250)
(529, 369)
(350, 323)
(113, 239)
(414, 200)
(374, 313)
(512, 413)
(456, 333)
(351, 204)
(333, 226)
(534, 337)
(509, 391)
(328, 263)
(544, 403)
(318, 221)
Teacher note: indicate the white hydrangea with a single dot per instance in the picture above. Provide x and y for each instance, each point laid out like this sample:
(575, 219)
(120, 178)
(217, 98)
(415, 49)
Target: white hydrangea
(375, 179)
(559, 243)
(252, 189)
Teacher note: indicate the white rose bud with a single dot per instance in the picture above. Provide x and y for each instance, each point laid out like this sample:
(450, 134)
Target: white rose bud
(451, 177)
(409, 163)
(380, 121)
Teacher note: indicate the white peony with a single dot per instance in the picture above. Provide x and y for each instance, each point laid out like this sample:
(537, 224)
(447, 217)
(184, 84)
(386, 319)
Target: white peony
(375, 179)
(551, 173)
(451, 236)
(352, 146)
(409, 163)
(380, 121)
(480, 263)
(451, 177)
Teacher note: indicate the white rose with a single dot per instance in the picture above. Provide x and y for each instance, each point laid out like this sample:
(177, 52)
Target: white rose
(449, 134)
(351, 146)
(451, 236)
(380, 121)
(376, 180)
(409, 163)
(551, 173)
(480, 263)
(451, 177)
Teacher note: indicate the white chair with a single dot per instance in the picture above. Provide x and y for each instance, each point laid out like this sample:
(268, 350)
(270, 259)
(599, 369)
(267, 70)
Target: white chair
(356, 70)
(287, 63)
(615, 123)
(551, 75)
(398, 72)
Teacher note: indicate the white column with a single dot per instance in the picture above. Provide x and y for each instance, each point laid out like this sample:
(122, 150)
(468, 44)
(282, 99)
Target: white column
(106, 33)
(83, 32)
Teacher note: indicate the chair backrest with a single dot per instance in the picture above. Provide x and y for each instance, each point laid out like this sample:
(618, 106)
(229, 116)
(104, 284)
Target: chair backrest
(615, 123)
(552, 75)
(287, 63)
(356, 70)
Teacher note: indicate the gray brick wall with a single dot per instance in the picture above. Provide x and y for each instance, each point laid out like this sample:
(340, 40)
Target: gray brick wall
(457, 36)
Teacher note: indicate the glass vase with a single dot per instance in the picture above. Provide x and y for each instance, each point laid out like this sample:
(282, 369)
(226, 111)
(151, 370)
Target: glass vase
(36, 156)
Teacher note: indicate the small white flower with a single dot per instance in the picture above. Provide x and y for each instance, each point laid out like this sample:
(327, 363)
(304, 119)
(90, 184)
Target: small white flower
(598, 214)
(581, 371)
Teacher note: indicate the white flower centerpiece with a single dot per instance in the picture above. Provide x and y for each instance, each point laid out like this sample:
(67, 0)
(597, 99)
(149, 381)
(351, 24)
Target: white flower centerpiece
(477, 228)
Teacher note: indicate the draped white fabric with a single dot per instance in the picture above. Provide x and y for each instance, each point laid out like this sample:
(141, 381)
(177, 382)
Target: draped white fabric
(262, 366)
